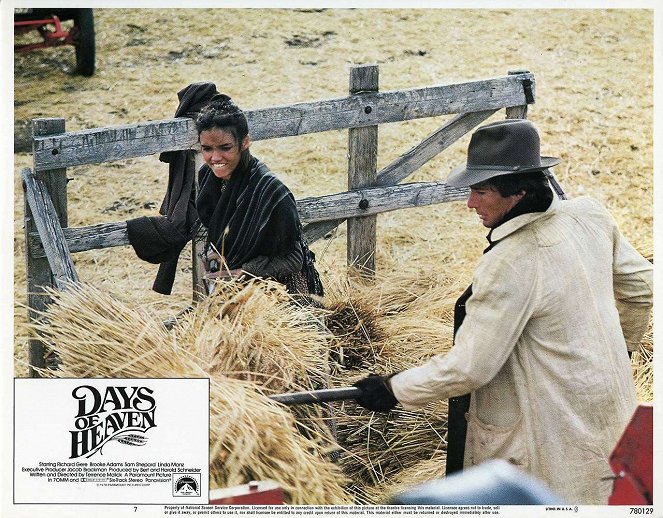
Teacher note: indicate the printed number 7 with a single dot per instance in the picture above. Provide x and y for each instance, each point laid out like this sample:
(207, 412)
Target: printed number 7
(135, 508)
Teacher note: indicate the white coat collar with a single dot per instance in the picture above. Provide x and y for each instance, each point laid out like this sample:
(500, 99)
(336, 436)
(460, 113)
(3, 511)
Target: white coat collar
(509, 227)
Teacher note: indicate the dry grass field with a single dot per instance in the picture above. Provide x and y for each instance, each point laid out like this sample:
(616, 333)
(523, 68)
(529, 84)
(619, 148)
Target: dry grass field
(594, 109)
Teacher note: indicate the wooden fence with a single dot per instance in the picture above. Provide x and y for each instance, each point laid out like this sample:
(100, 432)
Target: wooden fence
(50, 241)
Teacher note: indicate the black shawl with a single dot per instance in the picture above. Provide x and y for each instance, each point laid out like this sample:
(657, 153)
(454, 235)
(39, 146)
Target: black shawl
(161, 239)
(253, 214)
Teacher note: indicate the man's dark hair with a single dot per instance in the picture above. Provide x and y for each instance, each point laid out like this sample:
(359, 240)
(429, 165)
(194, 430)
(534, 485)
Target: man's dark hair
(221, 112)
(538, 194)
(510, 184)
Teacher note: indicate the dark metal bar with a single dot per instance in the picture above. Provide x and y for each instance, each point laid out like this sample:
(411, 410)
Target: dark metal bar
(457, 433)
(317, 396)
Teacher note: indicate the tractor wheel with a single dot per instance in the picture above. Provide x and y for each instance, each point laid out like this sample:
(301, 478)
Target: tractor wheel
(85, 45)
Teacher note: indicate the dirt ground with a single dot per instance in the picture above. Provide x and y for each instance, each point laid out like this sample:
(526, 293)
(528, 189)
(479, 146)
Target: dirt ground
(594, 109)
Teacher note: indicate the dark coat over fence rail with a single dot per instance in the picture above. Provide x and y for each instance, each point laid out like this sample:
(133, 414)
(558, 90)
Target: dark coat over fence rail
(50, 242)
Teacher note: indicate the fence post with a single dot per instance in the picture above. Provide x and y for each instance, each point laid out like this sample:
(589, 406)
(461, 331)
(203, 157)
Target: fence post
(518, 112)
(197, 246)
(38, 271)
(362, 172)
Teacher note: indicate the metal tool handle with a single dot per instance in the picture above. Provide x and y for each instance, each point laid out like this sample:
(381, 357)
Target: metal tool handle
(318, 396)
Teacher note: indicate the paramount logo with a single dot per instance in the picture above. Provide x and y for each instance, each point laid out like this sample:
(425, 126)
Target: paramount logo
(119, 413)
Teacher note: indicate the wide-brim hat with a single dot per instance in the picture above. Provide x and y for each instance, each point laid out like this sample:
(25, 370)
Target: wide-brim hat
(510, 146)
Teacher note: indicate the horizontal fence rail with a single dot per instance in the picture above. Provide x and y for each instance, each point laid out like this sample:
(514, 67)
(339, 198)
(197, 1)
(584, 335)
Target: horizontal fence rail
(316, 226)
(350, 204)
(359, 110)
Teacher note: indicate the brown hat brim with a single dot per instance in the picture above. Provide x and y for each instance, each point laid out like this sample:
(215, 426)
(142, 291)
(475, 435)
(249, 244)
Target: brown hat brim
(464, 176)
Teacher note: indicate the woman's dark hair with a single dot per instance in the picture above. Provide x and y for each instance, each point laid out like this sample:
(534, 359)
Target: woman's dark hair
(221, 112)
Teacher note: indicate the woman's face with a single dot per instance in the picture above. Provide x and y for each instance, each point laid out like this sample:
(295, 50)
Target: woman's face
(221, 151)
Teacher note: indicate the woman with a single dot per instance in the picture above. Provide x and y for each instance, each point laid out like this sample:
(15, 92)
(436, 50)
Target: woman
(251, 216)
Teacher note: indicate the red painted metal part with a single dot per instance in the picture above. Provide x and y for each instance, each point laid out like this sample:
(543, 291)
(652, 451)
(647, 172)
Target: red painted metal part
(265, 492)
(53, 38)
(632, 460)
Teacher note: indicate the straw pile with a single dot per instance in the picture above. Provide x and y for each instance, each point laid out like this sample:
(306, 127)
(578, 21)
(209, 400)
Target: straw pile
(396, 323)
(251, 339)
(251, 437)
(255, 331)
(402, 319)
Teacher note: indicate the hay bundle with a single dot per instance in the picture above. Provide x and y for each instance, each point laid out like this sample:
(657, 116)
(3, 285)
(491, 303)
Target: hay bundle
(405, 289)
(381, 445)
(256, 439)
(356, 330)
(414, 316)
(401, 320)
(96, 335)
(255, 331)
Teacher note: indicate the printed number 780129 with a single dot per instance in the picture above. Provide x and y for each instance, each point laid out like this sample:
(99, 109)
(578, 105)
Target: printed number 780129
(641, 510)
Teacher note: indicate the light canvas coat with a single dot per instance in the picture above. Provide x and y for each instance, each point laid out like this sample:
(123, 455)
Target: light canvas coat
(542, 348)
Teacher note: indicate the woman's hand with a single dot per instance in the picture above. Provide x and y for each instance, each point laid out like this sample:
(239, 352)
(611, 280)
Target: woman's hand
(212, 261)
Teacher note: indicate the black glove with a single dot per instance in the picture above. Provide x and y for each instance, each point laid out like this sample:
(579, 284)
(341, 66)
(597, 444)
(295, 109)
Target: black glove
(376, 394)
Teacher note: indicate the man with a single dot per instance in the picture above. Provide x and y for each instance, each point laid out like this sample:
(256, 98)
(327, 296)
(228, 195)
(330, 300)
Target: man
(556, 298)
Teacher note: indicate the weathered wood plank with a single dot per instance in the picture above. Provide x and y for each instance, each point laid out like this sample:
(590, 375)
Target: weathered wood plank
(93, 237)
(81, 239)
(516, 112)
(520, 112)
(370, 109)
(430, 147)
(409, 162)
(38, 271)
(377, 200)
(362, 172)
(50, 232)
(114, 143)
(54, 178)
(197, 246)
(311, 210)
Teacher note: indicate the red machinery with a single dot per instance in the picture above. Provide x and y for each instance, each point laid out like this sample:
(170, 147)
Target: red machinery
(48, 22)
(632, 460)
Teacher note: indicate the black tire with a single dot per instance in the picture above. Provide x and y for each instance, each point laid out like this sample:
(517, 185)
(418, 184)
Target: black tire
(85, 44)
